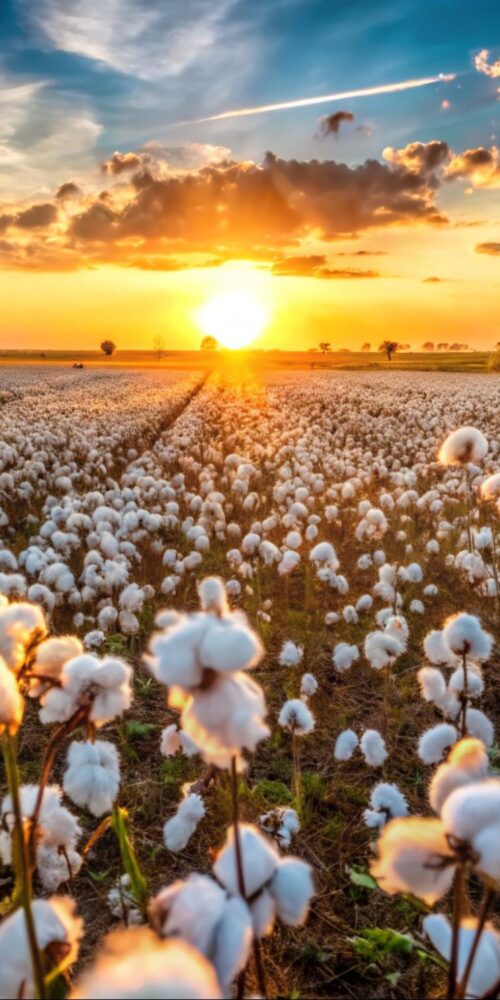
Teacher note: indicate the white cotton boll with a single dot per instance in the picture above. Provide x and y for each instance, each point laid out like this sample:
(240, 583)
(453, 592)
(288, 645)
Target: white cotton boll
(122, 904)
(260, 858)
(19, 624)
(55, 868)
(263, 912)
(190, 909)
(374, 819)
(485, 971)
(178, 830)
(437, 651)
(233, 940)
(94, 639)
(331, 618)
(373, 748)
(434, 742)
(292, 888)
(165, 619)
(412, 573)
(432, 685)
(388, 798)
(308, 685)
(107, 619)
(344, 655)
(350, 615)
(467, 444)
(102, 685)
(430, 590)
(250, 543)
(345, 745)
(225, 718)
(381, 649)
(406, 853)
(92, 778)
(230, 645)
(475, 683)
(462, 633)
(288, 562)
(364, 603)
(174, 658)
(128, 623)
(417, 607)
(293, 540)
(467, 761)
(290, 654)
(212, 595)
(296, 717)
(477, 724)
(323, 554)
(57, 928)
(470, 810)
(364, 562)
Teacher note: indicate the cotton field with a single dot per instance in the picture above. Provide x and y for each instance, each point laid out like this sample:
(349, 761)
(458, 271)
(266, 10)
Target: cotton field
(249, 675)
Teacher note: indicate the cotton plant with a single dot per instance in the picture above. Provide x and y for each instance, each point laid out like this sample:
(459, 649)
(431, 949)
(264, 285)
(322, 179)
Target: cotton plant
(296, 718)
(428, 856)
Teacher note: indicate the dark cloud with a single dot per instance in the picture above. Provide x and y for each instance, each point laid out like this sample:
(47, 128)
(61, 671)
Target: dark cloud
(330, 124)
(120, 163)
(433, 280)
(36, 216)
(493, 249)
(67, 191)
(479, 166)
(361, 253)
(424, 158)
(5, 222)
(315, 266)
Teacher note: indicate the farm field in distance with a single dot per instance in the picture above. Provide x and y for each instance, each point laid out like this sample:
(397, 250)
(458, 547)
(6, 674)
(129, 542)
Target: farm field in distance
(344, 537)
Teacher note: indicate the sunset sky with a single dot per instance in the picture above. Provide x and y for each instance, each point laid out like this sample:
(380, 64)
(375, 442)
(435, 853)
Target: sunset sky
(122, 212)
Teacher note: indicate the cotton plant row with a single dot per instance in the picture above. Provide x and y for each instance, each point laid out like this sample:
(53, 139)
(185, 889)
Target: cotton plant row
(202, 930)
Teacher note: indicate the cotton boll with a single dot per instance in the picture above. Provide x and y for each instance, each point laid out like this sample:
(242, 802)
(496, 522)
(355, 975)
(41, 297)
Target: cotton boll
(174, 658)
(263, 913)
(475, 683)
(373, 748)
(94, 639)
(432, 685)
(170, 741)
(364, 603)
(122, 903)
(58, 932)
(212, 595)
(292, 889)
(467, 761)
(228, 645)
(178, 830)
(409, 851)
(308, 685)
(233, 939)
(11, 701)
(296, 717)
(467, 444)
(260, 859)
(226, 718)
(92, 778)
(345, 745)
(344, 655)
(433, 743)
(485, 971)
(477, 724)
(437, 651)
(331, 618)
(463, 634)
(167, 969)
(324, 554)
(20, 624)
(382, 649)
(417, 607)
(388, 799)
(290, 654)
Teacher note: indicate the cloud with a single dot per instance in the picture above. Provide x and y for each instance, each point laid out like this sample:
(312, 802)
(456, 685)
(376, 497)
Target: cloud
(424, 158)
(483, 64)
(361, 253)
(68, 191)
(480, 166)
(330, 124)
(119, 163)
(493, 249)
(36, 217)
(432, 280)
(315, 266)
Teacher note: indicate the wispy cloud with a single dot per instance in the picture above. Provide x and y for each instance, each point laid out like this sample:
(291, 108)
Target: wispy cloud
(345, 95)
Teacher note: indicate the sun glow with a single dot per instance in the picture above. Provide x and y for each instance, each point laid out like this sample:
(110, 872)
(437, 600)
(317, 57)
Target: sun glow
(233, 318)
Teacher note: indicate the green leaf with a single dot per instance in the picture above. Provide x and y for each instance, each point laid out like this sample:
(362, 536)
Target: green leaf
(361, 877)
(137, 730)
(138, 884)
(378, 943)
(393, 978)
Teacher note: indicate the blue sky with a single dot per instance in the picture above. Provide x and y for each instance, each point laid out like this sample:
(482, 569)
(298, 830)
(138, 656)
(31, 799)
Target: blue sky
(134, 68)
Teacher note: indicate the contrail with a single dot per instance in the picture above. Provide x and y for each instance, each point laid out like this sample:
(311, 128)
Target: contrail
(304, 102)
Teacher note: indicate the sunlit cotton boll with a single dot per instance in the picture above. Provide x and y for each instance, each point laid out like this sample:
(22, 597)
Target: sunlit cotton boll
(296, 717)
(410, 852)
(20, 623)
(433, 744)
(58, 931)
(467, 444)
(345, 745)
(471, 814)
(479, 725)
(485, 970)
(103, 687)
(466, 762)
(11, 701)
(226, 718)
(432, 685)
(373, 748)
(174, 739)
(170, 970)
(92, 778)
(51, 655)
(178, 830)
(382, 649)
(463, 634)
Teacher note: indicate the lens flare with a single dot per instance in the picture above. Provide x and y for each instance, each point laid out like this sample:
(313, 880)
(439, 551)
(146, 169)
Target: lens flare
(233, 318)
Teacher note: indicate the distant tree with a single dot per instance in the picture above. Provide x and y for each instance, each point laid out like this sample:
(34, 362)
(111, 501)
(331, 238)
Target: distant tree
(159, 346)
(390, 347)
(443, 347)
(209, 344)
(325, 347)
(107, 347)
(366, 347)
(458, 347)
(428, 346)
(494, 360)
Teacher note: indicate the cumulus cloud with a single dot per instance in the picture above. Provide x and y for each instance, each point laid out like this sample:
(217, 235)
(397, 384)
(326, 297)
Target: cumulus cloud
(330, 124)
(119, 163)
(36, 216)
(493, 249)
(67, 191)
(425, 158)
(483, 64)
(480, 166)
(315, 266)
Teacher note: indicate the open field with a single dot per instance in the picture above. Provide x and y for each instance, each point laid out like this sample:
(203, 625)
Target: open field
(466, 361)
(122, 487)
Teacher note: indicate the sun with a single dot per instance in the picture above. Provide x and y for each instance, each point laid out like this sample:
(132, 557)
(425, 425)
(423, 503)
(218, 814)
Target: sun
(233, 318)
